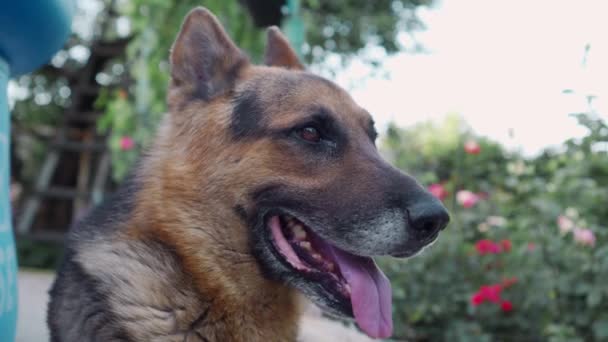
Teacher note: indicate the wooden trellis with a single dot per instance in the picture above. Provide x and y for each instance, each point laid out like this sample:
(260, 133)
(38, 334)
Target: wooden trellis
(58, 196)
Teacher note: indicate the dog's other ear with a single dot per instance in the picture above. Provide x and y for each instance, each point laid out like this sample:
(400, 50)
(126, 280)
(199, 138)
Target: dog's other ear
(278, 51)
(204, 60)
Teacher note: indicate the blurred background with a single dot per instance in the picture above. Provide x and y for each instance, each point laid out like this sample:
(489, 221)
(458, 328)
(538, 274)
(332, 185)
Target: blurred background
(498, 107)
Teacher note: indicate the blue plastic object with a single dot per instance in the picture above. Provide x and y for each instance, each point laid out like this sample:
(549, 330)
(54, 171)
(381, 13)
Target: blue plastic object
(31, 31)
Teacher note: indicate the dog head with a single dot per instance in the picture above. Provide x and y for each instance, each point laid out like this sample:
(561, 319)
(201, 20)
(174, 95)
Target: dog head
(294, 158)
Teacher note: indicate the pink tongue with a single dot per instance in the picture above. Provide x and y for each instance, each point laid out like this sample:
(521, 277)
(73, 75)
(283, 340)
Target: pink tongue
(370, 293)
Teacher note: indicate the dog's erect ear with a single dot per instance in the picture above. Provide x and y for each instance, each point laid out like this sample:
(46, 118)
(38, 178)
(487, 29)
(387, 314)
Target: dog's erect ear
(278, 51)
(204, 59)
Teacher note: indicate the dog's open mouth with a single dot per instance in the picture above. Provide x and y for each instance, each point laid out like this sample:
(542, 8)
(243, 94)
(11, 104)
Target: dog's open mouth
(355, 280)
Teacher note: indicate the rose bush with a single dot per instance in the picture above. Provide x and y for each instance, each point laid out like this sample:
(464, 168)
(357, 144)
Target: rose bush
(525, 256)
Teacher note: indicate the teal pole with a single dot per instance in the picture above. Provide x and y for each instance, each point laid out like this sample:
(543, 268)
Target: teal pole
(31, 31)
(8, 260)
(293, 25)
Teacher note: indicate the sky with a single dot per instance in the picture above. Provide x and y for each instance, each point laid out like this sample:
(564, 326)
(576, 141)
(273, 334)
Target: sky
(501, 65)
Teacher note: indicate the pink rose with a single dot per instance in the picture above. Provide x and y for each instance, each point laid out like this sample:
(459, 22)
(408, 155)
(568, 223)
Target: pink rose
(126, 143)
(472, 147)
(584, 236)
(467, 198)
(565, 224)
(438, 191)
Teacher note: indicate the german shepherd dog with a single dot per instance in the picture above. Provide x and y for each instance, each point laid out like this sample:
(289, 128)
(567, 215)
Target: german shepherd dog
(264, 183)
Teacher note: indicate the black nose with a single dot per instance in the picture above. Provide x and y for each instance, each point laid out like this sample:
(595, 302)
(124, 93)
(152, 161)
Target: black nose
(427, 218)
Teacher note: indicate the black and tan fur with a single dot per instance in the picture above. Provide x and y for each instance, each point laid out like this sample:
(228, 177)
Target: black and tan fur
(180, 252)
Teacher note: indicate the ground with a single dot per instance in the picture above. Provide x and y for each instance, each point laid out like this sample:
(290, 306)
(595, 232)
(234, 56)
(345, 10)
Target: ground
(33, 298)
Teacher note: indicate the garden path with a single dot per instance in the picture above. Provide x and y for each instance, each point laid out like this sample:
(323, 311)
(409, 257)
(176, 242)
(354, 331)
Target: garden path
(33, 298)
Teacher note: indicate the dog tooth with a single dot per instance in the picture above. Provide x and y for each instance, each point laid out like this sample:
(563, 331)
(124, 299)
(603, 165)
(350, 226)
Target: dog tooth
(317, 256)
(299, 232)
(330, 266)
(347, 288)
(306, 245)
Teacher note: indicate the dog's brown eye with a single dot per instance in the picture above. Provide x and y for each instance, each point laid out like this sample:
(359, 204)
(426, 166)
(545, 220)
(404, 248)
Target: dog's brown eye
(310, 134)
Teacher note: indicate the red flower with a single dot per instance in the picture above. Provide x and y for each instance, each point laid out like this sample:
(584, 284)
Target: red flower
(472, 147)
(506, 306)
(126, 143)
(486, 246)
(477, 299)
(491, 292)
(483, 246)
(508, 282)
(506, 245)
(438, 191)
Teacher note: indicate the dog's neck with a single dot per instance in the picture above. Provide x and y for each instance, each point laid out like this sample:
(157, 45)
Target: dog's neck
(225, 274)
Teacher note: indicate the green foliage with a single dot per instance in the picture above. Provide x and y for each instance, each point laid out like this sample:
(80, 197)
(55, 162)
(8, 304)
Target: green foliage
(347, 26)
(559, 293)
(135, 111)
(35, 254)
(338, 27)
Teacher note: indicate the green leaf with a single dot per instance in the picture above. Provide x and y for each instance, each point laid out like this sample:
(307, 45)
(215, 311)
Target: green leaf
(594, 298)
(600, 329)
